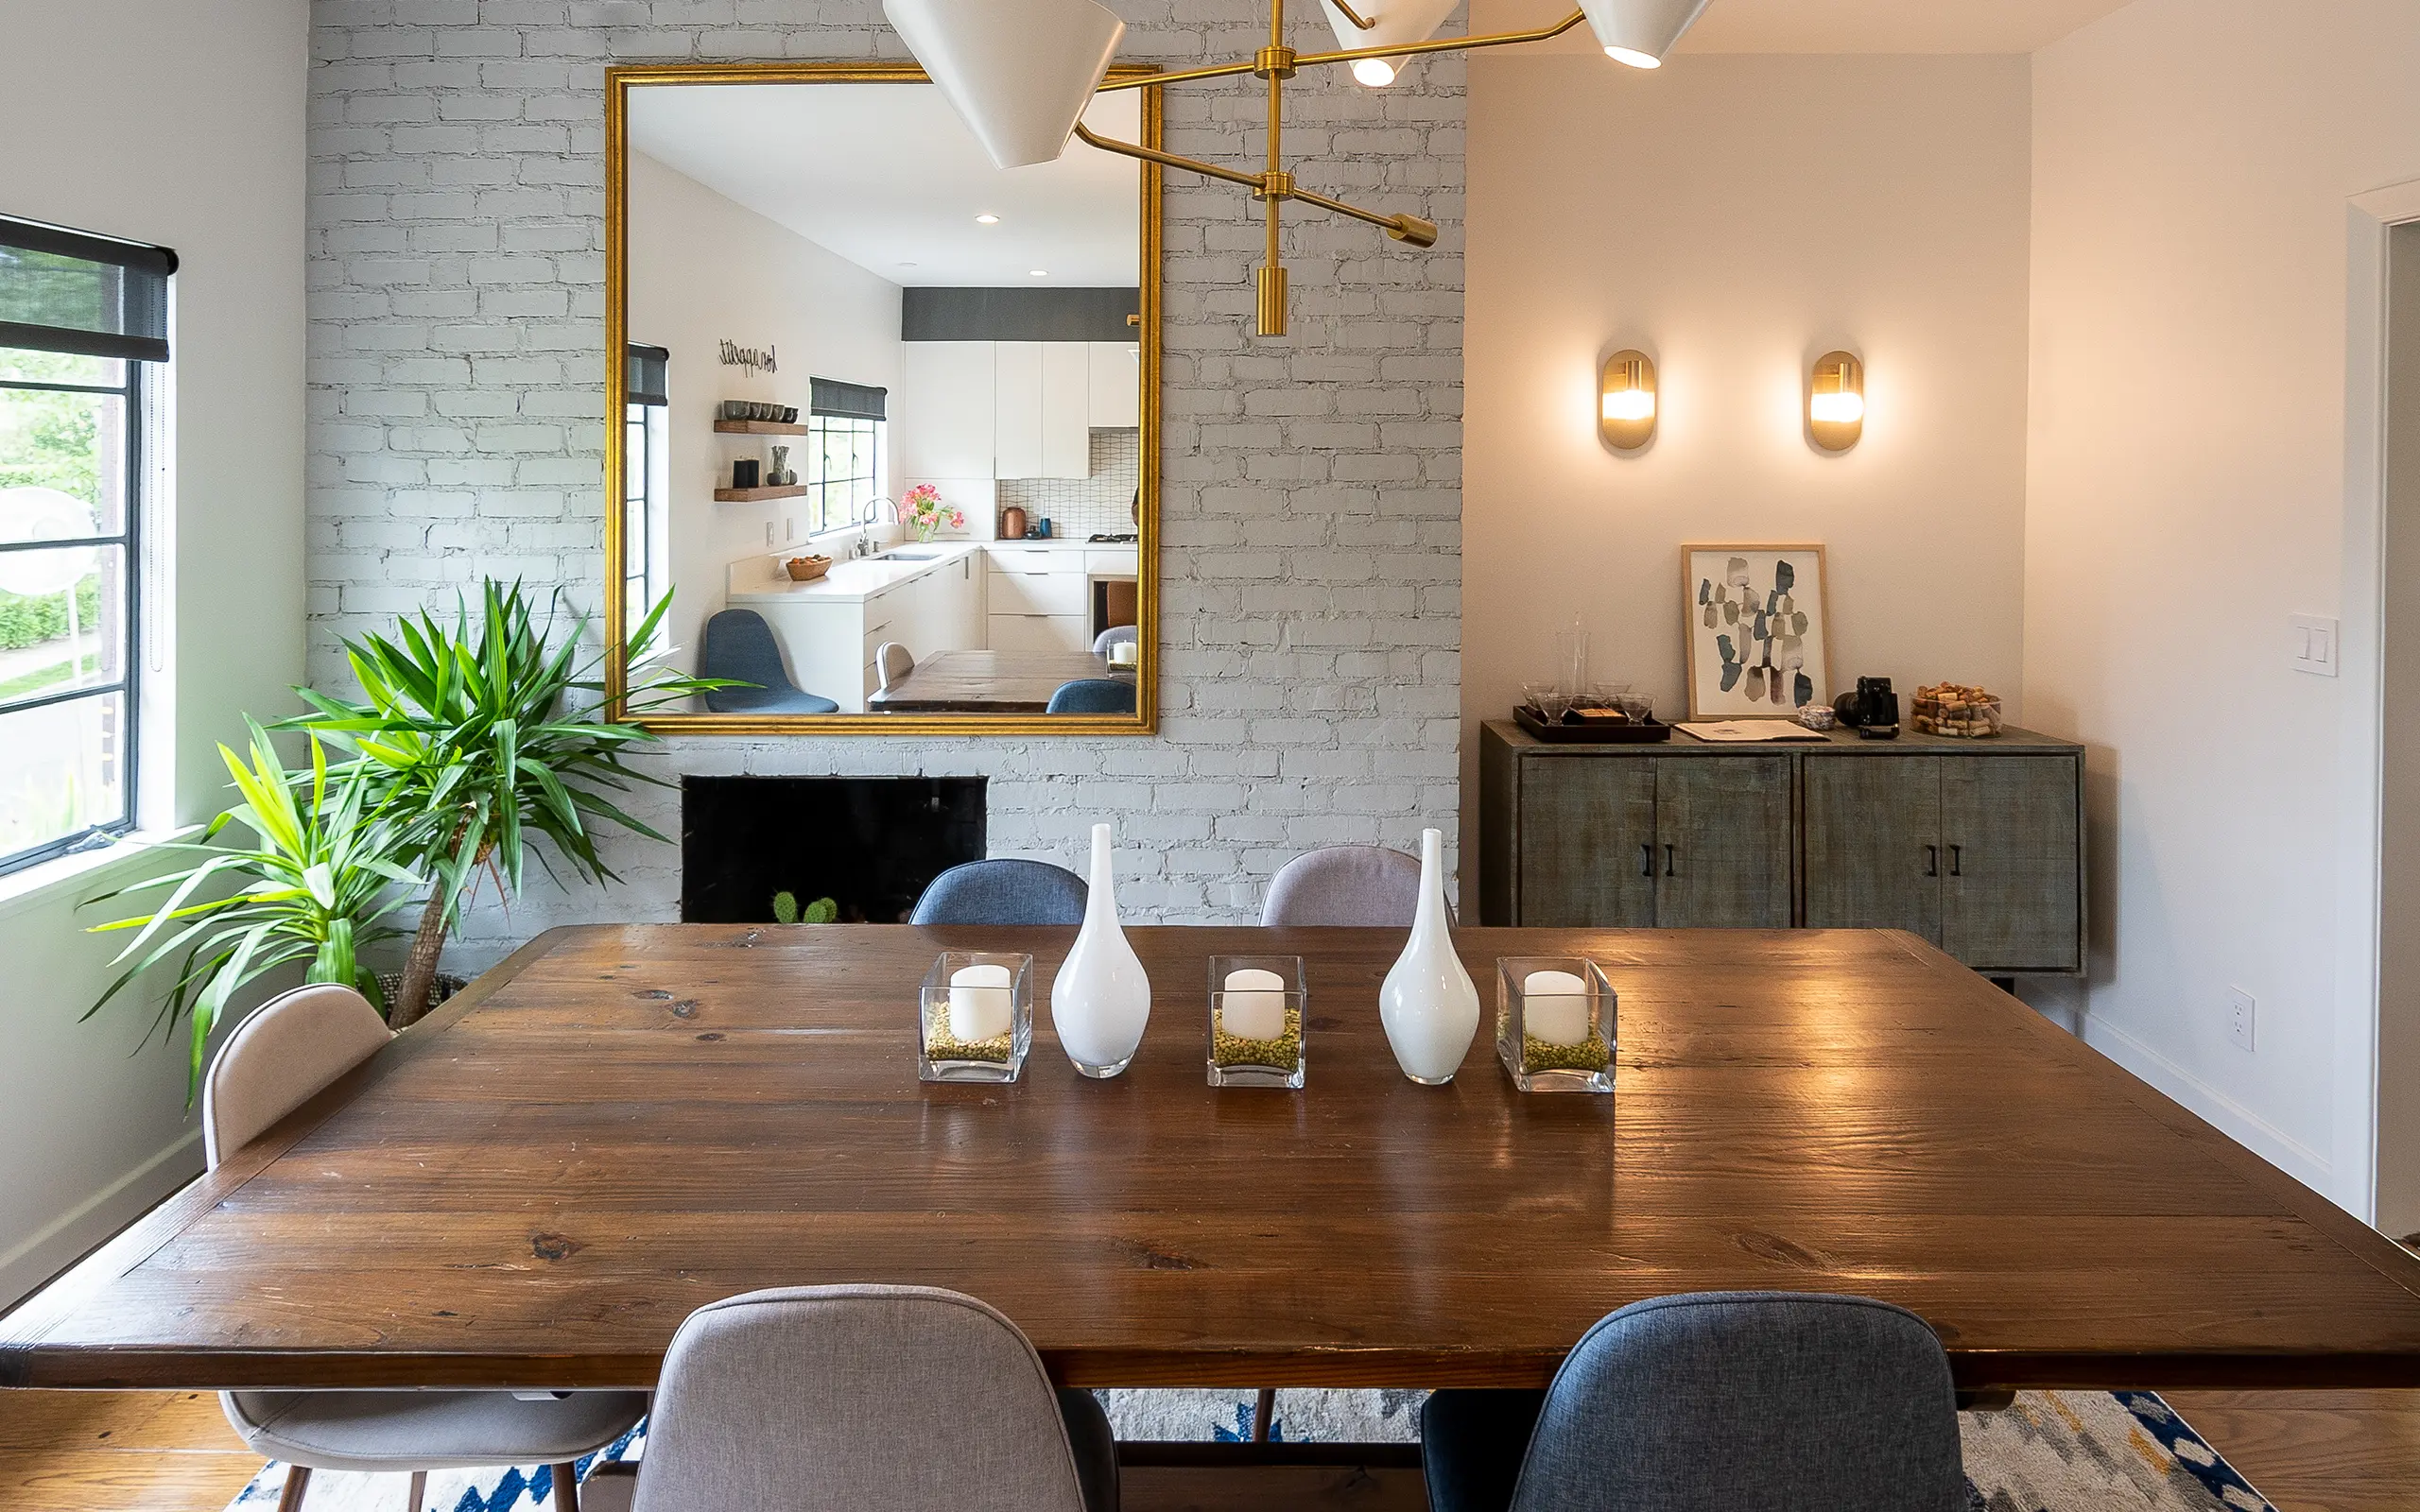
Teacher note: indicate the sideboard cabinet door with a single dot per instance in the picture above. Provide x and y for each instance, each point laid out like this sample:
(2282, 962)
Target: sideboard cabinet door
(1587, 830)
(1723, 842)
(2011, 872)
(1874, 849)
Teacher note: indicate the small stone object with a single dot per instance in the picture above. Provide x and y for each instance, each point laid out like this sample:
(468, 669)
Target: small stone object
(1958, 712)
(1818, 717)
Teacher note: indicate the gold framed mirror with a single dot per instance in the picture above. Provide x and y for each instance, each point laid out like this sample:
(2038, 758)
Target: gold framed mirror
(884, 416)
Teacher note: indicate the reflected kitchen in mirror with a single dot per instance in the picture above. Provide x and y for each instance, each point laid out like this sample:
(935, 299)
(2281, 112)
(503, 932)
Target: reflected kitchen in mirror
(890, 411)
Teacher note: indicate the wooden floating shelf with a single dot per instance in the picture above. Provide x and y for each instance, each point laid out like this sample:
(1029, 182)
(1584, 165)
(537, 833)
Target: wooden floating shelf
(757, 427)
(752, 495)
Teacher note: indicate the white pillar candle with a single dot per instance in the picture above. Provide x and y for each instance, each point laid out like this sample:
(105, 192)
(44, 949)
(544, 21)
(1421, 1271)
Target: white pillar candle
(1554, 1009)
(979, 1003)
(1254, 1005)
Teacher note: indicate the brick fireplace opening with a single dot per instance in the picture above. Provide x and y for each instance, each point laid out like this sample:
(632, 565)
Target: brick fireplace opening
(870, 844)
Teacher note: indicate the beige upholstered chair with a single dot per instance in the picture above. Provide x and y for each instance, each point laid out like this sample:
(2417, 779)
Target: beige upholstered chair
(280, 1058)
(876, 1398)
(1344, 885)
(891, 662)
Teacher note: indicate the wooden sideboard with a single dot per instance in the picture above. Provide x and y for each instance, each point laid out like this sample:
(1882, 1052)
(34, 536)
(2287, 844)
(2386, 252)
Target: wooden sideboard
(1975, 845)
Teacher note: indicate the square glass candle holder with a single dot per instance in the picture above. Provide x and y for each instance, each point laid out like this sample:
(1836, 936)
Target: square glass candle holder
(1256, 1008)
(1555, 1023)
(974, 1018)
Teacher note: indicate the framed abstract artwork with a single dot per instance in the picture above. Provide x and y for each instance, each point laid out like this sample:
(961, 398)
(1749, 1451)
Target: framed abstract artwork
(1755, 625)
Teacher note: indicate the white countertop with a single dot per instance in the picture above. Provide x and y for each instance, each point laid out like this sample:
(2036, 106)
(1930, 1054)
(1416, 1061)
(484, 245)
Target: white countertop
(851, 580)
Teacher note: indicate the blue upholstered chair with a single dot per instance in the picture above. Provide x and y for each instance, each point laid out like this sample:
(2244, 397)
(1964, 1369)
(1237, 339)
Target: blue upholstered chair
(1003, 892)
(740, 645)
(1715, 1402)
(1344, 885)
(877, 1399)
(1114, 635)
(1092, 695)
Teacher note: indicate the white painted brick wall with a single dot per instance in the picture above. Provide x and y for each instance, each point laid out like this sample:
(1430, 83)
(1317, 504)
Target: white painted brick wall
(1312, 484)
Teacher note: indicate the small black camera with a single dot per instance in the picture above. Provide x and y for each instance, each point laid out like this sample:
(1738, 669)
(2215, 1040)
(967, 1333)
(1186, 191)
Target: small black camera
(1871, 711)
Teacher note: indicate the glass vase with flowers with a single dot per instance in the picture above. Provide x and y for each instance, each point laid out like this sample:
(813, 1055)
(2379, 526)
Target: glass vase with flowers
(923, 510)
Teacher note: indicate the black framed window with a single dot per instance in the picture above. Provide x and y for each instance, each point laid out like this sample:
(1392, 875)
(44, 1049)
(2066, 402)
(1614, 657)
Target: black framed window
(844, 435)
(644, 468)
(83, 322)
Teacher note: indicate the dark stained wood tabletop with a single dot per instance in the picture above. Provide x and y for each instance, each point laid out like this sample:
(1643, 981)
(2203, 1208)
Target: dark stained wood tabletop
(998, 682)
(535, 1185)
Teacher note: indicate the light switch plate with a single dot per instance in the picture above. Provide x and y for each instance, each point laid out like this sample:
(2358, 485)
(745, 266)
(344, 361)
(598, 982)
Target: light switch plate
(2314, 642)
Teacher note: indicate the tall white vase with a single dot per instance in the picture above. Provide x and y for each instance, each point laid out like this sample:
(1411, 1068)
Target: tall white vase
(1428, 1003)
(1101, 999)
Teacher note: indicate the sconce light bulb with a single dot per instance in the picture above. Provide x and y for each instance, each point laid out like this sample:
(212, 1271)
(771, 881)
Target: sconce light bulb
(1633, 57)
(1838, 409)
(1375, 71)
(1629, 404)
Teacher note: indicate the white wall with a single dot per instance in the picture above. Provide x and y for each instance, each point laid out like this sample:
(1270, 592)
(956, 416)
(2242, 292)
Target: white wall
(706, 269)
(2187, 491)
(180, 125)
(1737, 217)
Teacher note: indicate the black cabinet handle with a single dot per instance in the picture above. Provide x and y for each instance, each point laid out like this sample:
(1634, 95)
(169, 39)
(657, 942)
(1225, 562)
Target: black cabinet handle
(1668, 861)
(1958, 861)
(1932, 861)
(1647, 860)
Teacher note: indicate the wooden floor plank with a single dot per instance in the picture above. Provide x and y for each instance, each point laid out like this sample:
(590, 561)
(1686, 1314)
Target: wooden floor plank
(2316, 1451)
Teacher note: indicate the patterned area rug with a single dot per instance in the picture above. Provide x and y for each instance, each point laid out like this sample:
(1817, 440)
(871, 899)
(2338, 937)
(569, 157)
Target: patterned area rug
(2052, 1452)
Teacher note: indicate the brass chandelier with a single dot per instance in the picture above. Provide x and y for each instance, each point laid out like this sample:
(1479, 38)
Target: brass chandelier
(1021, 72)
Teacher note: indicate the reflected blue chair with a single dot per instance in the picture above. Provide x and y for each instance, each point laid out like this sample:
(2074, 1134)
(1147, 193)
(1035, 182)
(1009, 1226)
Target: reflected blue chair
(740, 645)
(1116, 634)
(1003, 892)
(1715, 1402)
(1092, 695)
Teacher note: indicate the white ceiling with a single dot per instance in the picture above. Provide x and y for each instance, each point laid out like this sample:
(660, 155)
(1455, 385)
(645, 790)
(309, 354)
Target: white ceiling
(1840, 25)
(885, 176)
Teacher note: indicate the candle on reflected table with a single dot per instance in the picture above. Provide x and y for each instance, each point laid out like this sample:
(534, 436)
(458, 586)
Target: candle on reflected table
(1254, 1005)
(979, 1003)
(1554, 1009)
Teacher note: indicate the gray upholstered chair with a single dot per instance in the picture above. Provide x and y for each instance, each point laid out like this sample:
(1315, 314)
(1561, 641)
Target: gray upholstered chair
(740, 647)
(876, 1398)
(1092, 695)
(1344, 885)
(891, 662)
(277, 1059)
(1114, 635)
(1003, 892)
(1715, 1402)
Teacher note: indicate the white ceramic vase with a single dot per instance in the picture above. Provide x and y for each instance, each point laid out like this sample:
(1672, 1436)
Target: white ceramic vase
(1428, 1003)
(1101, 999)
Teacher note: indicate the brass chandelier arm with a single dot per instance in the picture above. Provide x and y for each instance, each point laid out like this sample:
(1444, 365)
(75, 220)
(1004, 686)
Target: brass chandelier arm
(1410, 229)
(1352, 16)
(1165, 159)
(1440, 45)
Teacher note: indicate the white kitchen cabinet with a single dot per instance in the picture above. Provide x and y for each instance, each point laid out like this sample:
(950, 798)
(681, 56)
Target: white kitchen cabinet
(1039, 632)
(1066, 405)
(1114, 385)
(1017, 409)
(948, 410)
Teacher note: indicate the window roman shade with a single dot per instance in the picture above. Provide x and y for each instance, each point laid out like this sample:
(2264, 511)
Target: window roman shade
(643, 380)
(68, 291)
(829, 396)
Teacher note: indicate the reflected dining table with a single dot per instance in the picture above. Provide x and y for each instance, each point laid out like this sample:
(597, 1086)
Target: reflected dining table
(535, 1185)
(990, 683)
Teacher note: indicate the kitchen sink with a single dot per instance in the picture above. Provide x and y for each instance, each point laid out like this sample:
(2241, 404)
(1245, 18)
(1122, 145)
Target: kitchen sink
(909, 555)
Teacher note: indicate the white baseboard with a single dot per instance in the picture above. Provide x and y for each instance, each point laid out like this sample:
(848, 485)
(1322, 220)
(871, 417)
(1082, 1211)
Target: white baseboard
(2236, 1121)
(27, 1265)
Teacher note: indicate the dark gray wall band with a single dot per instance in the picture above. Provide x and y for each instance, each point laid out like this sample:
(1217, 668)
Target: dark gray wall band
(1018, 315)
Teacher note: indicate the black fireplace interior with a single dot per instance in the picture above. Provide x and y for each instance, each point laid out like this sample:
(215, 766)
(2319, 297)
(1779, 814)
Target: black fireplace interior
(870, 844)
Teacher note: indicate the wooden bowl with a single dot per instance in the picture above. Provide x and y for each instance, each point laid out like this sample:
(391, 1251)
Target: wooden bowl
(807, 569)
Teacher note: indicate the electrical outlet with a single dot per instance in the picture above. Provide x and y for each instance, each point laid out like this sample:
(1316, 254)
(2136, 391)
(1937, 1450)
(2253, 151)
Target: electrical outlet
(2240, 1011)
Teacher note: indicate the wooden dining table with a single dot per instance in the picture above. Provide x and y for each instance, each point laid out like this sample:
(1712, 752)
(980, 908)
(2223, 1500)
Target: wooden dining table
(995, 682)
(535, 1185)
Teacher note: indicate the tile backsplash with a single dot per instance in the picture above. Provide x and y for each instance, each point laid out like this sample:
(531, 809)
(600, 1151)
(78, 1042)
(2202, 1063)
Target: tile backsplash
(1078, 508)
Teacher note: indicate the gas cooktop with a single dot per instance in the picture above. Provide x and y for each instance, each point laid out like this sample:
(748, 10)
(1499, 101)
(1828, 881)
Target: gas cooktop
(1130, 537)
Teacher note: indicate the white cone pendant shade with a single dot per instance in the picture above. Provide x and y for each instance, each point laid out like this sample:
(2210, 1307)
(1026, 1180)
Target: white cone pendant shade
(1641, 32)
(1019, 72)
(1392, 23)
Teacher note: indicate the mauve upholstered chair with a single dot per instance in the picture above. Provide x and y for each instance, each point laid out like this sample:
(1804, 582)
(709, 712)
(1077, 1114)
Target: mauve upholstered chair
(1003, 892)
(1092, 695)
(1115, 635)
(740, 647)
(1344, 885)
(1721, 1401)
(874, 1399)
(280, 1058)
(892, 661)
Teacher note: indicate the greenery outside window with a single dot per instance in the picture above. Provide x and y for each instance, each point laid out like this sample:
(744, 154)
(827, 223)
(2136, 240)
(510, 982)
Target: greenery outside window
(82, 320)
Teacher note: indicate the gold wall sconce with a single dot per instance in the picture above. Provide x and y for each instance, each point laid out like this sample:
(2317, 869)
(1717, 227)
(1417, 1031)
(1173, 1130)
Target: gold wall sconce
(1836, 402)
(1626, 400)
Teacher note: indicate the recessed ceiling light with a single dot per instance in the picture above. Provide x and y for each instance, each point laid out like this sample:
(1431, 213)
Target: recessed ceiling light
(1042, 273)
(987, 220)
